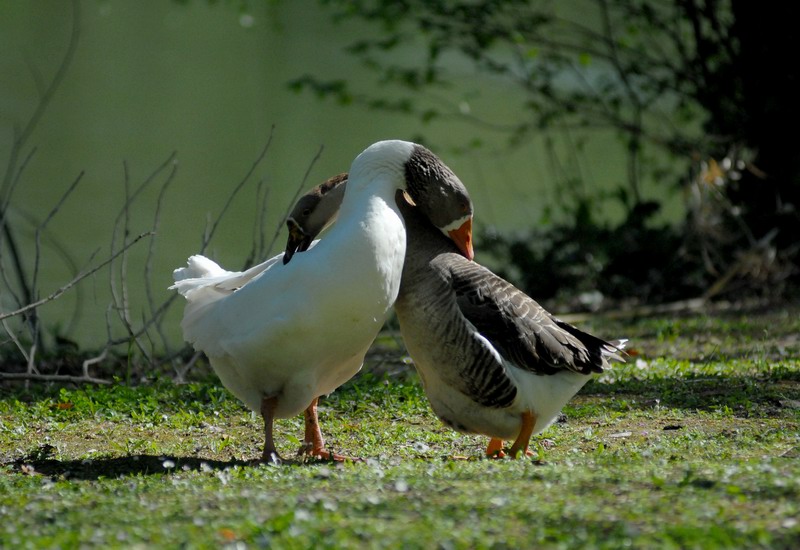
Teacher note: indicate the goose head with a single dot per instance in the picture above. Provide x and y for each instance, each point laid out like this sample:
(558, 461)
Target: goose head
(438, 194)
(313, 213)
(429, 184)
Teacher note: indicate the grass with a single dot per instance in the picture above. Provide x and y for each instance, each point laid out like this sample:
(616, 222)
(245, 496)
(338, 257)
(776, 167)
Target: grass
(694, 443)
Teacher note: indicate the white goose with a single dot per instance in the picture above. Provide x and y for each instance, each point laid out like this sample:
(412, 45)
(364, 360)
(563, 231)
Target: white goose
(492, 360)
(279, 336)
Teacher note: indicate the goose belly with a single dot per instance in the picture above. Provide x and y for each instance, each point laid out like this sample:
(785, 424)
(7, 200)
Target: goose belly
(294, 370)
(545, 395)
(464, 415)
(295, 388)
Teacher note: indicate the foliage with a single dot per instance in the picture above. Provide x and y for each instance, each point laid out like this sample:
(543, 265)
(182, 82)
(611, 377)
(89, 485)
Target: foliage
(684, 446)
(692, 89)
(583, 264)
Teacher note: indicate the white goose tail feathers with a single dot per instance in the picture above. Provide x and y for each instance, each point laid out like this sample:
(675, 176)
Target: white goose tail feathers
(198, 267)
(200, 273)
(615, 350)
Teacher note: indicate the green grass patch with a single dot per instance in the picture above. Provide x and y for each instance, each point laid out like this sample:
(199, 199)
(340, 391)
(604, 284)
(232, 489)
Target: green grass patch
(694, 449)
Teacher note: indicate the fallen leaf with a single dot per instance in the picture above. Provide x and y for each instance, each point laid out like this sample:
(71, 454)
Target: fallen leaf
(227, 534)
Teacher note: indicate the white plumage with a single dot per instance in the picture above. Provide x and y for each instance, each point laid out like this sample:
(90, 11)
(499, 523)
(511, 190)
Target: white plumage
(279, 336)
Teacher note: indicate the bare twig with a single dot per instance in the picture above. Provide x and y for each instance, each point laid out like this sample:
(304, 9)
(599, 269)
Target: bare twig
(56, 294)
(12, 177)
(121, 299)
(258, 249)
(181, 373)
(120, 296)
(148, 267)
(59, 248)
(51, 377)
(13, 336)
(299, 190)
(92, 361)
(42, 226)
(210, 233)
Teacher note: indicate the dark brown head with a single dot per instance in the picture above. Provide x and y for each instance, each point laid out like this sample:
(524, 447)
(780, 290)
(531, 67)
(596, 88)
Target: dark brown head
(312, 213)
(432, 187)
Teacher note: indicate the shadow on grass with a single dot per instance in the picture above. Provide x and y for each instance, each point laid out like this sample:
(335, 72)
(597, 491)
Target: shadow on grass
(37, 463)
(133, 465)
(777, 395)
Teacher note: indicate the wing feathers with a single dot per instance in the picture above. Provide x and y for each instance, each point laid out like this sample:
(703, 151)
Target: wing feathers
(521, 330)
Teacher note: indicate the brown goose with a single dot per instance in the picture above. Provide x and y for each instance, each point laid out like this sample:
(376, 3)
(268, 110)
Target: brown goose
(279, 336)
(491, 359)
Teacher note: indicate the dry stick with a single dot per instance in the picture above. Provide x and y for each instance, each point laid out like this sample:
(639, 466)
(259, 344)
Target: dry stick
(51, 378)
(35, 325)
(294, 199)
(9, 181)
(102, 355)
(16, 341)
(89, 362)
(59, 248)
(210, 232)
(56, 294)
(121, 302)
(182, 372)
(9, 187)
(257, 249)
(262, 223)
(148, 266)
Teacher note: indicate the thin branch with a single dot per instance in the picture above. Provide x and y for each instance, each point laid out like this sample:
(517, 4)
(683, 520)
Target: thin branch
(181, 373)
(210, 233)
(16, 341)
(58, 246)
(94, 360)
(257, 250)
(6, 199)
(43, 225)
(55, 295)
(294, 199)
(148, 266)
(50, 377)
(120, 300)
(47, 95)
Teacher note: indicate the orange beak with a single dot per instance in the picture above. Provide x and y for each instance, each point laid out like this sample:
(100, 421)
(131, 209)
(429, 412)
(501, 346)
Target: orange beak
(463, 238)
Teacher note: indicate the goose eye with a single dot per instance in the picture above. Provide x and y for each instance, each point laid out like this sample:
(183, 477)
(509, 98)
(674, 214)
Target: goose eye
(306, 212)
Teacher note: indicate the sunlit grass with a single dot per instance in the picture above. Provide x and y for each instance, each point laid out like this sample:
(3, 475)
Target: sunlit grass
(667, 451)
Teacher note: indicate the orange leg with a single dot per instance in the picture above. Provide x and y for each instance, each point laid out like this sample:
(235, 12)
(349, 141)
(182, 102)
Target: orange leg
(524, 437)
(270, 453)
(313, 442)
(495, 448)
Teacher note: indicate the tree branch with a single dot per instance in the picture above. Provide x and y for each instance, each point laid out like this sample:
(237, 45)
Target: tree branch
(73, 282)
